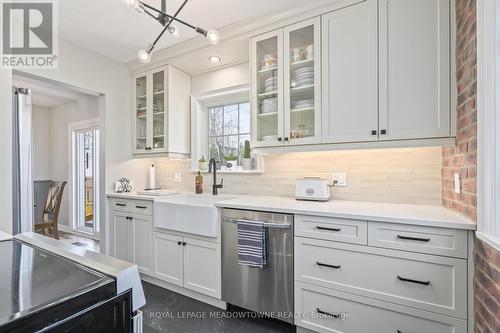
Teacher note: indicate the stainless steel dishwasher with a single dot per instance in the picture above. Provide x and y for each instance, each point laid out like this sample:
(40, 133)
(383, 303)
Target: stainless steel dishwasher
(269, 289)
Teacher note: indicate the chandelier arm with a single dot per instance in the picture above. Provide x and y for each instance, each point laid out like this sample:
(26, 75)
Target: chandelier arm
(197, 29)
(168, 25)
(150, 14)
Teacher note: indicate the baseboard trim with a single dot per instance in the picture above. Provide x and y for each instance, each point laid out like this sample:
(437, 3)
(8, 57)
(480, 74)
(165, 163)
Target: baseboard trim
(186, 292)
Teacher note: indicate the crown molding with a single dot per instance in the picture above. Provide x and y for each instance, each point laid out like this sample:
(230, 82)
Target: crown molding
(243, 29)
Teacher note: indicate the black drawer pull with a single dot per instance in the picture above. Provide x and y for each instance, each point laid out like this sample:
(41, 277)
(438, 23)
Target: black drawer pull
(414, 238)
(329, 229)
(141, 207)
(121, 204)
(414, 281)
(179, 243)
(184, 243)
(327, 265)
(329, 314)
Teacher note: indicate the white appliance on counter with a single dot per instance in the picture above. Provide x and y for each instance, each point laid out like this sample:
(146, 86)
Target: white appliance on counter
(313, 189)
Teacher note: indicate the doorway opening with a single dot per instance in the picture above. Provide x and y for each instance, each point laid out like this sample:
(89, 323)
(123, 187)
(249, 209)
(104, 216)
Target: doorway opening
(85, 176)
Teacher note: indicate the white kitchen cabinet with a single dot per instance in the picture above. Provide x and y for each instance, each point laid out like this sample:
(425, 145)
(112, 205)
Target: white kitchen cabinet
(161, 112)
(414, 69)
(132, 231)
(187, 262)
(122, 236)
(350, 80)
(169, 257)
(286, 85)
(202, 267)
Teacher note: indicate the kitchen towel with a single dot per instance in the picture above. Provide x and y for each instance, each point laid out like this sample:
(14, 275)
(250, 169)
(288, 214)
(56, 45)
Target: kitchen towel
(252, 241)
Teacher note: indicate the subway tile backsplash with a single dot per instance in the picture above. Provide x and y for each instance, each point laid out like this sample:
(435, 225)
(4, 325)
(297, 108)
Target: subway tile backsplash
(408, 175)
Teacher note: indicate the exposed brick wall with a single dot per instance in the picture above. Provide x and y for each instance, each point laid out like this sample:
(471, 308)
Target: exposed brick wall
(462, 158)
(486, 288)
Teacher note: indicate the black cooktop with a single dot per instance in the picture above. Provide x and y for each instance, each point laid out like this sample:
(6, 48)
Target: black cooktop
(32, 279)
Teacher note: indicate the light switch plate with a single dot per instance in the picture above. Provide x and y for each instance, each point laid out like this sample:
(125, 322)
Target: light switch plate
(457, 183)
(178, 177)
(341, 178)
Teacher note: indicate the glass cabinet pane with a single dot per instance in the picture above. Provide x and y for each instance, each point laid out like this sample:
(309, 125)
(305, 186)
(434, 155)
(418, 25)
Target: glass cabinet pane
(159, 110)
(267, 89)
(141, 112)
(302, 78)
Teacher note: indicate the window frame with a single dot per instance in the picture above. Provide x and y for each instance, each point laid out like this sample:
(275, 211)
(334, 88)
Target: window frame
(488, 133)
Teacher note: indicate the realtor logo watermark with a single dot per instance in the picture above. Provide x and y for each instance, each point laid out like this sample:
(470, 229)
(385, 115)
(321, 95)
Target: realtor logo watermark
(29, 36)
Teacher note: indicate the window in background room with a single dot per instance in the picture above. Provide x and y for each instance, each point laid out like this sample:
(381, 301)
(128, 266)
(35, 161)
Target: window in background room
(228, 128)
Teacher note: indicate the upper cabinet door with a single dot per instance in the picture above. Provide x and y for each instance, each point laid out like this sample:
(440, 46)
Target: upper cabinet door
(159, 112)
(302, 82)
(266, 67)
(414, 69)
(141, 114)
(350, 81)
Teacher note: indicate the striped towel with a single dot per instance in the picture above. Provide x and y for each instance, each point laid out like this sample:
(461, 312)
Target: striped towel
(252, 241)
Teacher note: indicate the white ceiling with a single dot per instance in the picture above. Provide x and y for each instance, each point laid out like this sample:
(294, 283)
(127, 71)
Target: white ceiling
(113, 30)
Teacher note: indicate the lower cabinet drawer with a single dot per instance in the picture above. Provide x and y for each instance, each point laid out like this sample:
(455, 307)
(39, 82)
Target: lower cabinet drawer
(432, 283)
(331, 228)
(423, 239)
(324, 310)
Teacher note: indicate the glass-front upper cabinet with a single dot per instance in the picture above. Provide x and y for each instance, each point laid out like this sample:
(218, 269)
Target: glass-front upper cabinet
(302, 83)
(286, 85)
(267, 89)
(151, 114)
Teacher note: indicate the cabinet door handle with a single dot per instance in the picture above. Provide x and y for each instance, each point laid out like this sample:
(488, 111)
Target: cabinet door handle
(184, 243)
(121, 204)
(141, 207)
(399, 331)
(286, 138)
(329, 314)
(179, 243)
(328, 229)
(426, 283)
(383, 132)
(279, 139)
(327, 265)
(418, 239)
(374, 132)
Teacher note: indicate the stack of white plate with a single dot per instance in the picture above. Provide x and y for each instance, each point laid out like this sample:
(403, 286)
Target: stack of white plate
(303, 104)
(270, 105)
(271, 84)
(304, 76)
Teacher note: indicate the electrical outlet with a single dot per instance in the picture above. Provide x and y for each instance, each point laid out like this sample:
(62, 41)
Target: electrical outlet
(341, 178)
(178, 177)
(458, 180)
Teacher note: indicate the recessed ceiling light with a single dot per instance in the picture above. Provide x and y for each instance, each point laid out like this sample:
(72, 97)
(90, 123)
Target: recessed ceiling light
(214, 59)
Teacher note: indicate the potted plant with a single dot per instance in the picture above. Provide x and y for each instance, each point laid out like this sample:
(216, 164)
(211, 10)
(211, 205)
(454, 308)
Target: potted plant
(202, 163)
(247, 160)
(231, 160)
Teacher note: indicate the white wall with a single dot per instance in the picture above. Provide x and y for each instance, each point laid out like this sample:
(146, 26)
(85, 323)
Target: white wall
(81, 68)
(222, 78)
(42, 143)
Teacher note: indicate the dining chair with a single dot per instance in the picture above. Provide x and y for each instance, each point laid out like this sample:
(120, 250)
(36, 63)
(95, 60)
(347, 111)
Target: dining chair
(50, 215)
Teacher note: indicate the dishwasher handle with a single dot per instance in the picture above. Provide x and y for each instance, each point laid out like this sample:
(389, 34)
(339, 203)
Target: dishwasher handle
(264, 224)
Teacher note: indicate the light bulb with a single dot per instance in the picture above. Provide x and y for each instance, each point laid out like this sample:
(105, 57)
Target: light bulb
(214, 59)
(133, 4)
(213, 36)
(144, 56)
(173, 30)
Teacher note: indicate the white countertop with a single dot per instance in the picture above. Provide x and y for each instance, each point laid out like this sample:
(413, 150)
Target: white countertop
(435, 216)
(426, 215)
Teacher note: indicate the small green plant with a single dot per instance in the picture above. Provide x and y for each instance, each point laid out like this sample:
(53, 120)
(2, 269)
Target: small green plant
(202, 159)
(246, 149)
(231, 156)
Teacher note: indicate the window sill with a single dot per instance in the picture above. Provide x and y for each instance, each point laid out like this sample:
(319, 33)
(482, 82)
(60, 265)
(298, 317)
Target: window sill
(492, 241)
(260, 171)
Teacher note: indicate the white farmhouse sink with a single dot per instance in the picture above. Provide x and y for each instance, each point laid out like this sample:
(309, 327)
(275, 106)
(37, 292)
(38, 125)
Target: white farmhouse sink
(191, 213)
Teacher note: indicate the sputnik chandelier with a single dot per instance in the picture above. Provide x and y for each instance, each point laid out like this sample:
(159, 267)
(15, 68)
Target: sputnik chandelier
(167, 21)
